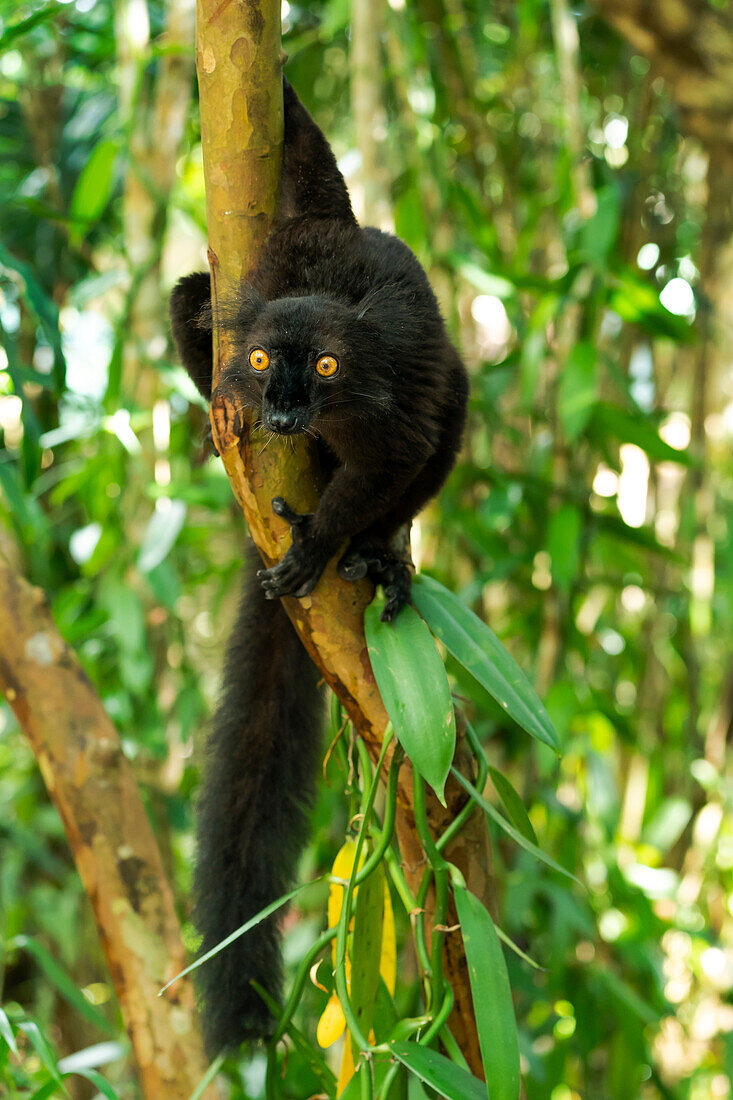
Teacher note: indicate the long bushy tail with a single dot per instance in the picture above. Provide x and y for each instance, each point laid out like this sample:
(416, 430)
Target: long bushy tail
(252, 811)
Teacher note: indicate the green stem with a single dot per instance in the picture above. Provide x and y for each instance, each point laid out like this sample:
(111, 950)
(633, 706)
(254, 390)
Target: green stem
(399, 881)
(389, 1078)
(390, 814)
(439, 1019)
(300, 979)
(453, 1050)
(420, 941)
(440, 873)
(345, 918)
(483, 770)
(270, 1093)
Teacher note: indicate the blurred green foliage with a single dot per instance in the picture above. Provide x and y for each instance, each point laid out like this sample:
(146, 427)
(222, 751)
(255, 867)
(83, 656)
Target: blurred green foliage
(588, 522)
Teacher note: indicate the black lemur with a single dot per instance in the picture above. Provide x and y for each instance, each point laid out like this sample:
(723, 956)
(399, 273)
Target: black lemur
(337, 334)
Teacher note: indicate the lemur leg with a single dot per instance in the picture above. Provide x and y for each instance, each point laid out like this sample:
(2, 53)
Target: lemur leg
(380, 563)
(310, 182)
(370, 552)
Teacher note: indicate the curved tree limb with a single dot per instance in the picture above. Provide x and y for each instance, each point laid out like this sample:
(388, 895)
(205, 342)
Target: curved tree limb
(239, 69)
(93, 788)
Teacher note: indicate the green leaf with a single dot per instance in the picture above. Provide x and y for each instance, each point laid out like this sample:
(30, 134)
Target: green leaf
(578, 390)
(631, 427)
(510, 830)
(409, 219)
(43, 307)
(100, 1083)
(312, 1057)
(479, 650)
(43, 1050)
(513, 805)
(563, 538)
(63, 982)
(414, 686)
(386, 1017)
(517, 950)
(48, 1089)
(241, 931)
(208, 1077)
(367, 949)
(23, 26)
(486, 281)
(6, 1030)
(599, 232)
(492, 997)
(94, 186)
(439, 1072)
(164, 527)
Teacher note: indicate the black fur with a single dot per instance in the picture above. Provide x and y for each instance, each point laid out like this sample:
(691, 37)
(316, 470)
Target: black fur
(389, 425)
(252, 810)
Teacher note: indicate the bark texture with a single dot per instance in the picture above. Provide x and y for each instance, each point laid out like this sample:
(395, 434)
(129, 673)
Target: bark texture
(690, 44)
(239, 66)
(91, 784)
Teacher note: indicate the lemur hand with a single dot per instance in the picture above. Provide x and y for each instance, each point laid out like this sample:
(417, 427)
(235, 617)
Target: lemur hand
(300, 570)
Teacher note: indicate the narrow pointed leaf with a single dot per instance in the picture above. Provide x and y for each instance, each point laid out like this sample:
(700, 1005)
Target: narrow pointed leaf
(414, 686)
(517, 950)
(492, 997)
(100, 1083)
(94, 186)
(439, 1072)
(367, 949)
(58, 977)
(479, 650)
(513, 805)
(43, 1050)
(509, 828)
(6, 1030)
(308, 1052)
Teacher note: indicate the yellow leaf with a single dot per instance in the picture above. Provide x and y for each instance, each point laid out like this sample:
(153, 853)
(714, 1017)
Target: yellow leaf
(388, 958)
(347, 1067)
(343, 865)
(331, 1024)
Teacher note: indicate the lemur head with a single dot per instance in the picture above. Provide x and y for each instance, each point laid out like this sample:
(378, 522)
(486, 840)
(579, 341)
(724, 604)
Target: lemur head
(302, 362)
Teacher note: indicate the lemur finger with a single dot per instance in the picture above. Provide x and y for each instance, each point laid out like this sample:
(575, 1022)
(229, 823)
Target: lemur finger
(281, 508)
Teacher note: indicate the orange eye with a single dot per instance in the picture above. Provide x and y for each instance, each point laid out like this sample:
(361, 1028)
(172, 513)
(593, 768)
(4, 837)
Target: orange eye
(259, 359)
(327, 366)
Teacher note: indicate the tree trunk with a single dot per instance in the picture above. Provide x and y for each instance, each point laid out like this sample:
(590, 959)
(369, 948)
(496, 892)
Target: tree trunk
(239, 67)
(91, 784)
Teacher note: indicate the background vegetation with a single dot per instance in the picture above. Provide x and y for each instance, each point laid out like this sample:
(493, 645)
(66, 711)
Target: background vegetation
(575, 220)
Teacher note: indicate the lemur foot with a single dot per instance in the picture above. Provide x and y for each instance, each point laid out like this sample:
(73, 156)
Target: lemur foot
(300, 570)
(382, 566)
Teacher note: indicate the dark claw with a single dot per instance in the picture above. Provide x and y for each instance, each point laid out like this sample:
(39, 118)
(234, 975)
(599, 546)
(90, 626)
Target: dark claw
(382, 566)
(300, 570)
(209, 444)
(281, 508)
(397, 595)
(353, 567)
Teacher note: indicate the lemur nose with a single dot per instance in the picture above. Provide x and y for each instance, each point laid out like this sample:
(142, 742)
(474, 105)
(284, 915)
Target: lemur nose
(284, 422)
